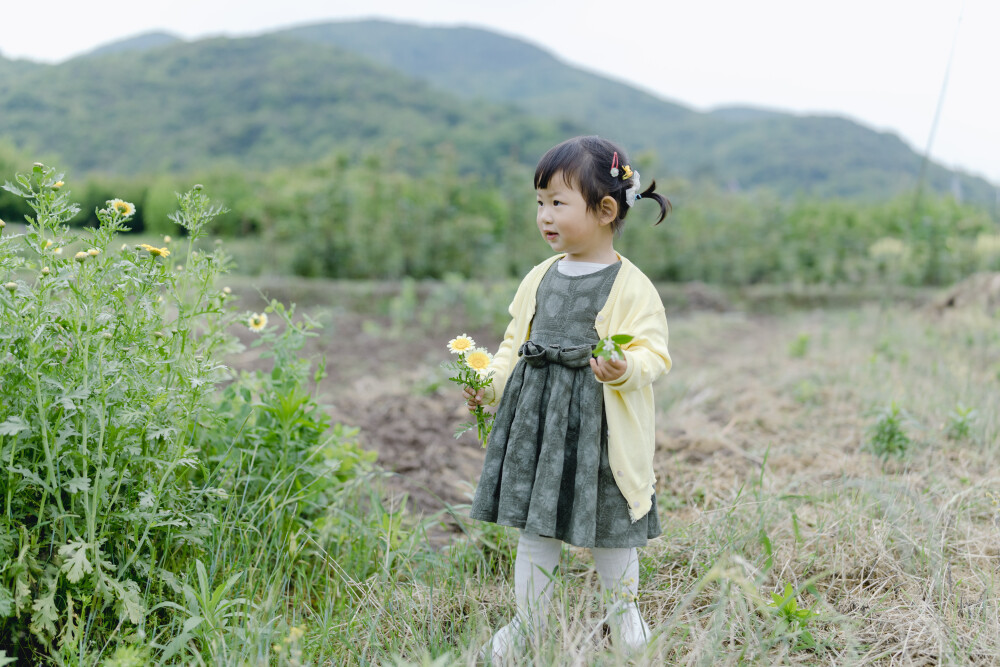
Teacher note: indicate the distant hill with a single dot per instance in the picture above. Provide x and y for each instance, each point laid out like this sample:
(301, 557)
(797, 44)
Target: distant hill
(258, 102)
(144, 42)
(822, 155)
(158, 103)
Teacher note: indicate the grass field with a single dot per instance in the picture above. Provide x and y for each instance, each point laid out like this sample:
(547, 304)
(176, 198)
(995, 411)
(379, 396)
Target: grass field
(848, 453)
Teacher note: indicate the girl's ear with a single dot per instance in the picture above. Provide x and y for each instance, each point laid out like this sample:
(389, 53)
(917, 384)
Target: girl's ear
(607, 210)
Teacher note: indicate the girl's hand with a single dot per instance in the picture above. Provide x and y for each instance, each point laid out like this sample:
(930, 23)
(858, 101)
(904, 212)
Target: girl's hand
(474, 399)
(608, 371)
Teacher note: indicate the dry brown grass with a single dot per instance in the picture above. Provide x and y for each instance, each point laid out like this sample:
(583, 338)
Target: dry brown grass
(762, 447)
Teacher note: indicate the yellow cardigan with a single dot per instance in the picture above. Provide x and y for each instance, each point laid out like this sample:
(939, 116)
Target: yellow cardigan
(633, 307)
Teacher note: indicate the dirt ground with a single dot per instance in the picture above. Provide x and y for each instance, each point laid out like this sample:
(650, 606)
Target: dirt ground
(737, 389)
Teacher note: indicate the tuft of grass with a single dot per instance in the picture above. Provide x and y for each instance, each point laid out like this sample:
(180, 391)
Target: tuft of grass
(887, 437)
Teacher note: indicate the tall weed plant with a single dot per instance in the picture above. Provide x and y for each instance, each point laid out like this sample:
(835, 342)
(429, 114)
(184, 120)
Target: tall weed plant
(120, 458)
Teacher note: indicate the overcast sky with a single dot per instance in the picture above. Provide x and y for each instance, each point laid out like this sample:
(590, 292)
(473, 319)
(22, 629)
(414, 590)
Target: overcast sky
(881, 62)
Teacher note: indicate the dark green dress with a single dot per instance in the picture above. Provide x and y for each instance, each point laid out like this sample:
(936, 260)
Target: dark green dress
(546, 469)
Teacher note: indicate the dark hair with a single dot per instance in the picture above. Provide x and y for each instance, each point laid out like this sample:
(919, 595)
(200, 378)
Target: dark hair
(586, 163)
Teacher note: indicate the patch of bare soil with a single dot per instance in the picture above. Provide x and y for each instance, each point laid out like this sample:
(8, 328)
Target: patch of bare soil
(981, 290)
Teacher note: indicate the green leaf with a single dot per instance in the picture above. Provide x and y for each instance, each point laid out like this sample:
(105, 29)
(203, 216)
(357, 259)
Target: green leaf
(129, 601)
(76, 565)
(44, 616)
(78, 484)
(6, 603)
(13, 426)
(621, 339)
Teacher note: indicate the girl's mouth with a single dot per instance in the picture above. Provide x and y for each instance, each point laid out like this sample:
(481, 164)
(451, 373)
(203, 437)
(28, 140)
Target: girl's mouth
(549, 236)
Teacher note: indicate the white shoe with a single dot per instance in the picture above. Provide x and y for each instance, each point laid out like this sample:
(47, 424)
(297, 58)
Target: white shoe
(507, 641)
(628, 629)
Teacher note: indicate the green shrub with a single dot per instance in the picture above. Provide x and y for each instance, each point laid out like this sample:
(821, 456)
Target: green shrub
(120, 460)
(886, 437)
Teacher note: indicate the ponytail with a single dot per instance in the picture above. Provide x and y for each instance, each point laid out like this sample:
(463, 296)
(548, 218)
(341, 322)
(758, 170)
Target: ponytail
(665, 205)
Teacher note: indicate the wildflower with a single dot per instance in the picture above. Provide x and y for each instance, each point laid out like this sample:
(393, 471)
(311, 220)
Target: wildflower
(198, 187)
(10, 287)
(2, 224)
(295, 634)
(461, 344)
(45, 270)
(123, 207)
(47, 244)
(124, 247)
(479, 360)
(154, 251)
(57, 185)
(94, 252)
(57, 251)
(257, 321)
(179, 267)
(888, 247)
(227, 291)
(167, 239)
(80, 256)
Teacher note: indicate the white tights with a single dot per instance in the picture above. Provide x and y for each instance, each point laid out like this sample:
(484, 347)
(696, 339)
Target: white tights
(537, 557)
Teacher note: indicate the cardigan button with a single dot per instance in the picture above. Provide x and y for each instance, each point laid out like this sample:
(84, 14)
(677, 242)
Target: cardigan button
(620, 473)
(635, 504)
(600, 318)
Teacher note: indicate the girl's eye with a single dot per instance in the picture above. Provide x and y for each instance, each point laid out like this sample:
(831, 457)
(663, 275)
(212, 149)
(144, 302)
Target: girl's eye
(556, 202)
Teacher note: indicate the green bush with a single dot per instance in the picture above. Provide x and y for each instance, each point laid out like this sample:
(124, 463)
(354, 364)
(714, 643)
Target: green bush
(121, 462)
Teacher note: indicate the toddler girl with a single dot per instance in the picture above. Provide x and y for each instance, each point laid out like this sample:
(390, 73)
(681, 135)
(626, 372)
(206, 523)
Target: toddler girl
(570, 456)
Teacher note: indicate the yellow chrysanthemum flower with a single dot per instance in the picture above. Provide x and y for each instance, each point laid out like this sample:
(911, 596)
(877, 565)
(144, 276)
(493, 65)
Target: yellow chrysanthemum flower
(154, 251)
(121, 206)
(479, 360)
(461, 344)
(257, 321)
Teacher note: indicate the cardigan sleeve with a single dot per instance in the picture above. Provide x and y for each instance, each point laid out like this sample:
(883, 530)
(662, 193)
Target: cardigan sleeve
(503, 360)
(646, 354)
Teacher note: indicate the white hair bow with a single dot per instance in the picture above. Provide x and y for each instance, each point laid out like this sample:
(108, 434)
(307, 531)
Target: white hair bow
(632, 193)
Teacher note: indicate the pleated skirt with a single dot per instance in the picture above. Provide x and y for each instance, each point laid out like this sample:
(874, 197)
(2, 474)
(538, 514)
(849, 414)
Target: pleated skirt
(546, 469)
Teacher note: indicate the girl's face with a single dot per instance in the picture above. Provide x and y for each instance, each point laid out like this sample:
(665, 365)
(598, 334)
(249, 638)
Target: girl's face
(568, 226)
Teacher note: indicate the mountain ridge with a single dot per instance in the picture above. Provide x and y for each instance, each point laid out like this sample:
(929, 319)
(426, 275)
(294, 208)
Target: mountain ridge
(461, 73)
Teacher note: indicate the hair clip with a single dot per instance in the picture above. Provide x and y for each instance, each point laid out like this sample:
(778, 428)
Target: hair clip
(632, 193)
(614, 165)
(628, 172)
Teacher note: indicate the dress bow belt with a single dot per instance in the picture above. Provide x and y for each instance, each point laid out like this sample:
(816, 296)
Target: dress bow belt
(537, 355)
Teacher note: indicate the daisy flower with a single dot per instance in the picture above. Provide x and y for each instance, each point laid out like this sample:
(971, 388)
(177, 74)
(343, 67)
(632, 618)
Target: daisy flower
(121, 206)
(94, 252)
(461, 344)
(167, 239)
(479, 360)
(154, 251)
(257, 321)
(80, 256)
